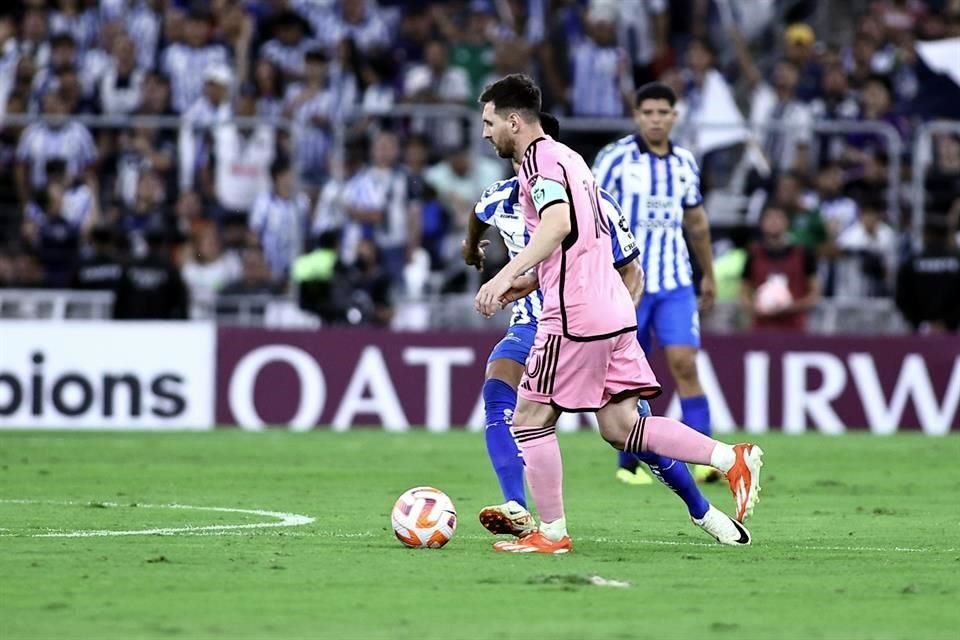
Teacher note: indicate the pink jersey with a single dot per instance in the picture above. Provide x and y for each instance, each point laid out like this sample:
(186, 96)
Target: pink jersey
(583, 295)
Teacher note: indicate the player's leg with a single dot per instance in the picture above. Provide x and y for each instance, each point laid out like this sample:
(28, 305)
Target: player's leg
(628, 465)
(504, 370)
(628, 470)
(535, 431)
(677, 327)
(560, 375)
(629, 374)
(676, 323)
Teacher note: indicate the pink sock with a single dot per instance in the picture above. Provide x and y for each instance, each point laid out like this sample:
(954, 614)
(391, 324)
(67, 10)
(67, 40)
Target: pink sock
(672, 439)
(543, 468)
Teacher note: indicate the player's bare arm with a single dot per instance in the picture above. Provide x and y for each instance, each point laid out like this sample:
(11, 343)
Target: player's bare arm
(553, 228)
(632, 276)
(698, 228)
(473, 245)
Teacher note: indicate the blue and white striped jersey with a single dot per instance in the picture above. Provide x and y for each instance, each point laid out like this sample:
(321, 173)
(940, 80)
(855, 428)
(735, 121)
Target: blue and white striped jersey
(654, 191)
(499, 206)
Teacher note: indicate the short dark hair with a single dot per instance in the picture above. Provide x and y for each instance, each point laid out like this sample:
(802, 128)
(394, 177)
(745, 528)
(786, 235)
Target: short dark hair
(316, 55)
(550, 124)
(280, 165)
(655, 91)
(516, 92)
(62, 40)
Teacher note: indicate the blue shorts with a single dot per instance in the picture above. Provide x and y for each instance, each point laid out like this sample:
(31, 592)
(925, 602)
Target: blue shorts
(516, 344)
(671, 316)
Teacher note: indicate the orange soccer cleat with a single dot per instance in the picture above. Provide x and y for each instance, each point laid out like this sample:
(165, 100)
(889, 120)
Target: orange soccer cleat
(744, 478)
(535, 542)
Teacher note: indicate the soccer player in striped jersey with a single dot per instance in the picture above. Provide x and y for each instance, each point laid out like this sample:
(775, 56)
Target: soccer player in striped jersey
(658, 186)
(499, 207)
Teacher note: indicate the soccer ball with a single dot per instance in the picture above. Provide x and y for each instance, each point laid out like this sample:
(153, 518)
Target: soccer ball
(424, 517)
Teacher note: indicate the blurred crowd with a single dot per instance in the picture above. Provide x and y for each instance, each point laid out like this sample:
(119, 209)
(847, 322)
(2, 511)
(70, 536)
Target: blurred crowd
(265, 146)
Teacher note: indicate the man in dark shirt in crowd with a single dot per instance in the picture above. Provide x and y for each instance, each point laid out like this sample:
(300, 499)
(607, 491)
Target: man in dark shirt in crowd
(928, 284)
(101, 270)
(779, 278)
(152, 288)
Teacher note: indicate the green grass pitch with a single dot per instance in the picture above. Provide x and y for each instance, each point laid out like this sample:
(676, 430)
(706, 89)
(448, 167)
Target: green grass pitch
(855, 537)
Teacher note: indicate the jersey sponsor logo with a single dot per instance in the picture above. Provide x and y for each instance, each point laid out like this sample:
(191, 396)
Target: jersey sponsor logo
(660, 203)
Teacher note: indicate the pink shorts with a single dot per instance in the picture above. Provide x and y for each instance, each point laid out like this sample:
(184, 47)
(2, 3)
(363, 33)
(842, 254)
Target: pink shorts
(585, 376)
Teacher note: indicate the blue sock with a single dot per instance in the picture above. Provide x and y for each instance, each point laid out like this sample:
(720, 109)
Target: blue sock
(677, 477)
(626, 460)
(499, 401)
(696, 413)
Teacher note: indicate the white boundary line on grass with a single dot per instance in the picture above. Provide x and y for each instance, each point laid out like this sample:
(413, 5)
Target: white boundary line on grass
(283, 520)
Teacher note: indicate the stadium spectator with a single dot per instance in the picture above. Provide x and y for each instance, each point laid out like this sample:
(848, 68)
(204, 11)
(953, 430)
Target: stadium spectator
(73, 18)
(867, 264)
(928, 284)
(436, 82)
(602, 77)
(311, 105)
(156, 96)
(471, 40)
(121, 88)
(329, 214)
(55, 239)
(269, 87)
(781, 121)
(33, 45)
(344, 77)
(805, 224)
(799, 48)
(152, 288)
(184, 62)
(255, 276)
(241, 159)
(289, 45)
(211, 108)
(834, 103)
(369, 284)
(142, 23)
(376, 80)
(78, 202)
(643, 30)
(707, 99)
(780, 284)
(63, 56)
(876, 106)
(943, 178)
(434, 218)
(147, 212)
(459, 181)
(207, 271)
(278, 218)
(55, 137)
(101, 269)
(141, 150)
(356, 20)
(377, 207)
(837, 210)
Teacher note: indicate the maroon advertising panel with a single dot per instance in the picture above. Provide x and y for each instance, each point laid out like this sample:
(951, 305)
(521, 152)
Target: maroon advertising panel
(344, 378)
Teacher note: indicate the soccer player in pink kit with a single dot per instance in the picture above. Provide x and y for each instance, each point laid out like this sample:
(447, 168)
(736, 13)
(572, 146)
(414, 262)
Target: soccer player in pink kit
(585, 356)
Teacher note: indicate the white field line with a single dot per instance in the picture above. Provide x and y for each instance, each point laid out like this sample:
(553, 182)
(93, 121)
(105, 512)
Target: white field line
(283, 520)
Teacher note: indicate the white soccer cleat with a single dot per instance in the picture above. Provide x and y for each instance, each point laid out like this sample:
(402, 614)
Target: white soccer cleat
(509, 518)
(723, 528)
